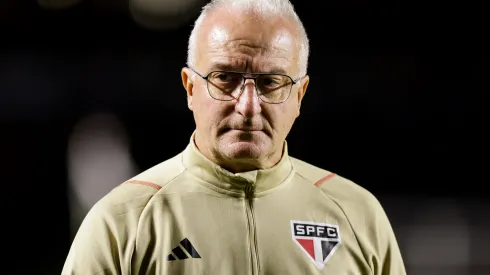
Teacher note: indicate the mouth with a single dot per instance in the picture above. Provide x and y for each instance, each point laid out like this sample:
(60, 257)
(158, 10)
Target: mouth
(245, 130)
(240, 131)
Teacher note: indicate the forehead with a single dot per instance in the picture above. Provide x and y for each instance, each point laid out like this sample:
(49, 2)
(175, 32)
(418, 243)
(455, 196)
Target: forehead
(245, 41)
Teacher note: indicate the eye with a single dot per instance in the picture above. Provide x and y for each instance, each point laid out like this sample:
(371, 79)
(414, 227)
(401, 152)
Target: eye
(272, 81)
(224, 77)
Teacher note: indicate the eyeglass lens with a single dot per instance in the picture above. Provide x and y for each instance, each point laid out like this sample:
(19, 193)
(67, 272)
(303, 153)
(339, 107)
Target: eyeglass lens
(228, 85)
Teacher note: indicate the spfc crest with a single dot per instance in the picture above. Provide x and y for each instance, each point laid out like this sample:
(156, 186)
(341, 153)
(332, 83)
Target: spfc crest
(318, 240)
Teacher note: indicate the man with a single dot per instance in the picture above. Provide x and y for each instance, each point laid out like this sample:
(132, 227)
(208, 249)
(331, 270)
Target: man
(234, 201)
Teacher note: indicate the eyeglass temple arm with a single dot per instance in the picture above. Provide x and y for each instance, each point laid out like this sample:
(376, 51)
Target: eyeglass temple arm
(200, 75)
(298, 79)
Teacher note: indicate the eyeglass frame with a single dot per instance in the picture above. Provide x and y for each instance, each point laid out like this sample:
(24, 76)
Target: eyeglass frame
(257, 75)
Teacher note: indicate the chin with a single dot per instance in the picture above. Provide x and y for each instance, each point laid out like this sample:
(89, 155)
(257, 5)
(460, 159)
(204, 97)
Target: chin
(244, 145)
(243, 150)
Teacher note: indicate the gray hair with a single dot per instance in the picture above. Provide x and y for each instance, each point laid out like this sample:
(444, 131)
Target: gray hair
(263, 7)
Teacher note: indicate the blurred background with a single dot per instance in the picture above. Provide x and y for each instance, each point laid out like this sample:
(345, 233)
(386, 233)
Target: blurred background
(90, 94)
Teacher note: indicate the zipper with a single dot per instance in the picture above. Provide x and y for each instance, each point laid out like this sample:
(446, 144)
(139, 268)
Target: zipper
(252, 230)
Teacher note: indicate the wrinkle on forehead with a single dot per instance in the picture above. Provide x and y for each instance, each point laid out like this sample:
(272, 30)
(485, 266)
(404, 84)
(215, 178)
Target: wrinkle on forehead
(280, 41)
(278, 47)
(246, 46)
(245, 63)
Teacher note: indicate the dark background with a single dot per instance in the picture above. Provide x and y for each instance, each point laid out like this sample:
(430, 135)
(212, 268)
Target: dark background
(396, 103)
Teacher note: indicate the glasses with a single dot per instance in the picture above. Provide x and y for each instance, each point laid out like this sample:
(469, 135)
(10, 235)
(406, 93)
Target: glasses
(226, 86)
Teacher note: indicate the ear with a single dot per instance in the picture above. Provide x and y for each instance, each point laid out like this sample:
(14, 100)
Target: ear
(302, 89)
(186, 75)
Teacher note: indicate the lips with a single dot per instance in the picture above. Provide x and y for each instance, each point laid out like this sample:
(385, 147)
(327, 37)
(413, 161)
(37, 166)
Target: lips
(246, 129)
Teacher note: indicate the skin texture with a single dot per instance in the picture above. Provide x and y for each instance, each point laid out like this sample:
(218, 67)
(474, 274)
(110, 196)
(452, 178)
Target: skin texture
(244, 134)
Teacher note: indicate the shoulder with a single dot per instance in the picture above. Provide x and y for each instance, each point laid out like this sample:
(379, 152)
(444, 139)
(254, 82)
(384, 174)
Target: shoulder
(361, 209)
(136, 192)
(113, 222)
(363, 213)
(344, 192)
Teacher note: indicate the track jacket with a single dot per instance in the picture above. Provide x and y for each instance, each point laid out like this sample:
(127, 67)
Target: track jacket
(189, 216)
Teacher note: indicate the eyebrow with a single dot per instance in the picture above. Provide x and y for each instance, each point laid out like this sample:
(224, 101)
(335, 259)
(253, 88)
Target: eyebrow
(229, 67)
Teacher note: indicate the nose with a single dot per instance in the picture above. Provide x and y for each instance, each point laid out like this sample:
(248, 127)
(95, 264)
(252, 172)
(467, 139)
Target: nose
(248, 103)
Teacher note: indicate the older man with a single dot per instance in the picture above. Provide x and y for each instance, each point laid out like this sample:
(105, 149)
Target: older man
(234, 201)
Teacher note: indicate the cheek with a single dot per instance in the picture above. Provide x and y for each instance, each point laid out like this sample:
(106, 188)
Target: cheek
(207, 111)
(283, 118)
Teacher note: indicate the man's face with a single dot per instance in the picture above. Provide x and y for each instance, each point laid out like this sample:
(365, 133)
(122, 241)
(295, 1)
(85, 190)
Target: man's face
(245, 133)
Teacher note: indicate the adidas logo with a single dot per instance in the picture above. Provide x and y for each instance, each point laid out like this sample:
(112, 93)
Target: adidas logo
(180, 254)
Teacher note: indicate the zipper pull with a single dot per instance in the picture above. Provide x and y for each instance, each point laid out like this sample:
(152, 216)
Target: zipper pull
(249, 190)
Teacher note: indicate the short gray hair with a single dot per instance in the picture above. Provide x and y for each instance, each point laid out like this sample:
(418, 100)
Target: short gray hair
(278, 7)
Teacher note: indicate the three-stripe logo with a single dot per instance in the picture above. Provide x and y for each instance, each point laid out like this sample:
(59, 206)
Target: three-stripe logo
(179, 254)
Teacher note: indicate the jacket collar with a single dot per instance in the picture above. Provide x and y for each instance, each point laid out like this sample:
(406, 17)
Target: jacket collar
(259, 180)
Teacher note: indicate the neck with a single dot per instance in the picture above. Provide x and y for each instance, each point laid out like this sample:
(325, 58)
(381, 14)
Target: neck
(245, 165)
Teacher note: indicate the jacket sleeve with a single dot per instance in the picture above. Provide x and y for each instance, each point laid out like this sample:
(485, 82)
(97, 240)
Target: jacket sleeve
(96, 247)
(388, 259)
(105, 241)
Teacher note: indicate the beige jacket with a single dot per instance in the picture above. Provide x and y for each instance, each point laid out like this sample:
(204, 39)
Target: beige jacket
(189, 216)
